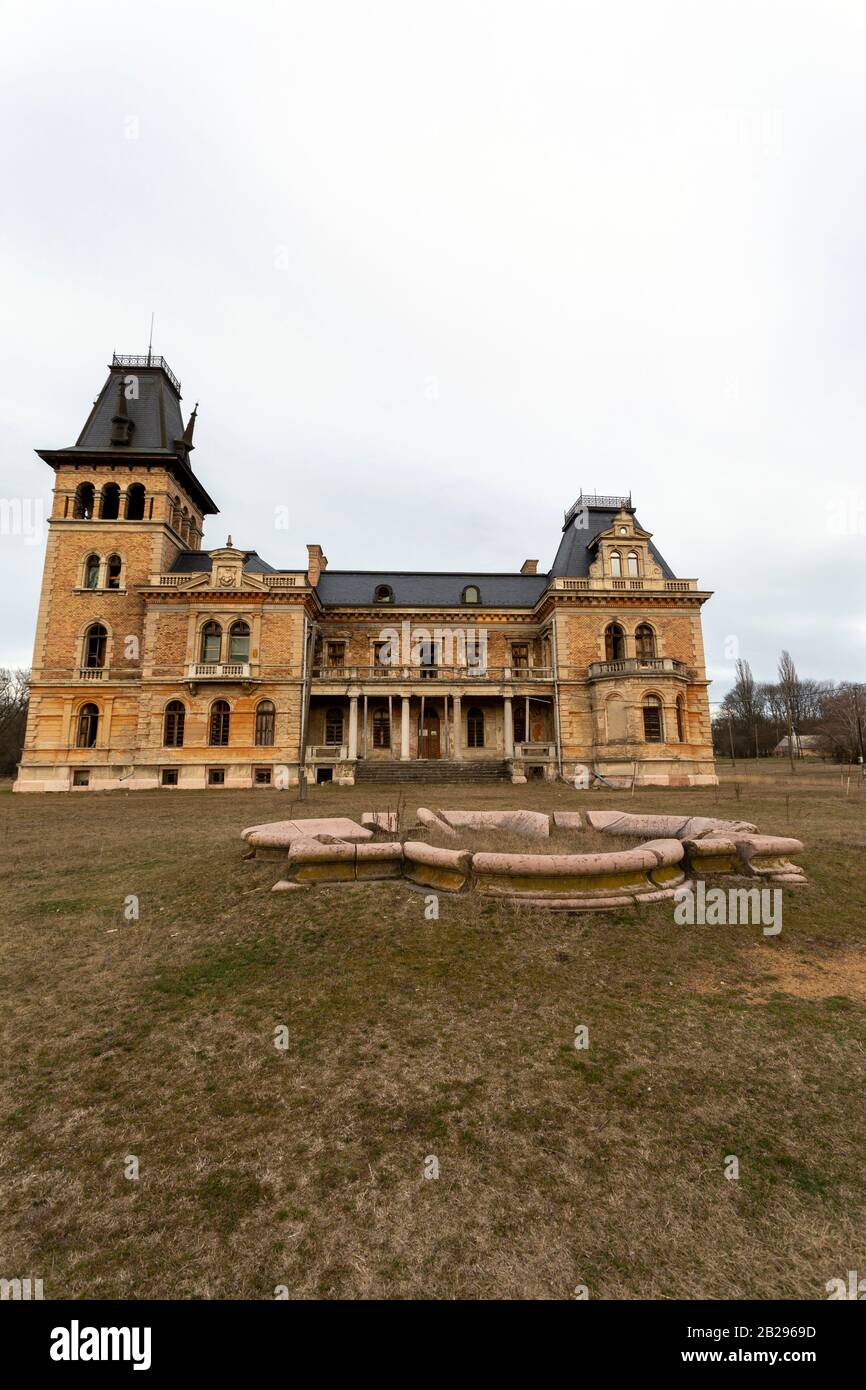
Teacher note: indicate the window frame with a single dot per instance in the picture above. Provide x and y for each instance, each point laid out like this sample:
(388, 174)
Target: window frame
(177, 716)
(266, 723)
(333, 717)
(219, 733)
(86, 733)
(474, 727)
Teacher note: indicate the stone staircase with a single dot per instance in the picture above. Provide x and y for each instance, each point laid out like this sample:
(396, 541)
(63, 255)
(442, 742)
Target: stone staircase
(436, 771)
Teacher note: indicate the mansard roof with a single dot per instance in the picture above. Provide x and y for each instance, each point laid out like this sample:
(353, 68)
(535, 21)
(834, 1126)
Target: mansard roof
(577, 549)
(441, 589)
(155, 431)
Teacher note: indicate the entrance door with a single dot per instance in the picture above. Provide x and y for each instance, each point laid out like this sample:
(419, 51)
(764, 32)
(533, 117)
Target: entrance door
(428, 741)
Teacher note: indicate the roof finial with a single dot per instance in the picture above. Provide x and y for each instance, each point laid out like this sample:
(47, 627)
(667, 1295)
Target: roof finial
(229, 543)
(190, 426)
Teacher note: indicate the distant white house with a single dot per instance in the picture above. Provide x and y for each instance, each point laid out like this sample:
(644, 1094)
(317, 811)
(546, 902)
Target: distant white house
(805, 746)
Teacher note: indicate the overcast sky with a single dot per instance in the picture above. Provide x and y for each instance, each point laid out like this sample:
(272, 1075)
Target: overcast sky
(432, 269)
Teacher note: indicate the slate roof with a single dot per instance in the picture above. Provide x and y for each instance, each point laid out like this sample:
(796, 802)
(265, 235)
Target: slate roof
(200, 562)
(576, 551)
(438, 588)
(156, 415)
(431, 587)
(157, 434)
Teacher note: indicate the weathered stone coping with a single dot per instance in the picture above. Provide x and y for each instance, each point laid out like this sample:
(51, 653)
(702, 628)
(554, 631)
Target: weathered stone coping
(336, 849)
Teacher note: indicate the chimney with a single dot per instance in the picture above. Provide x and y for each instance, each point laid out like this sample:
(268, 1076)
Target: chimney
(317, 561)
(529, 567)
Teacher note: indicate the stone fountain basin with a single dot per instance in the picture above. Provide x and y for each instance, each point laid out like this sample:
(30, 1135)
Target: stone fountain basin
(335, 849)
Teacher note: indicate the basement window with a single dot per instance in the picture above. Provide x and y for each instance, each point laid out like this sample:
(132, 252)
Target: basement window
(169, 777)
(262, 776)
(81, 777)
(324, 774)
(216, 776)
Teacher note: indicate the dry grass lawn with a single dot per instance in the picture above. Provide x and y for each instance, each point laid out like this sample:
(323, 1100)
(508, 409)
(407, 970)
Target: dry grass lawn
(409, 1038)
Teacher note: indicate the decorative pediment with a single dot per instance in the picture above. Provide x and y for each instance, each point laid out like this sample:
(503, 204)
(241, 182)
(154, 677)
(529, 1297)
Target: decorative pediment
(622, 551)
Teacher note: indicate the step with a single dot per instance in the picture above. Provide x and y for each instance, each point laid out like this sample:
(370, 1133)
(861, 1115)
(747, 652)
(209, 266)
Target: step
(431, 771)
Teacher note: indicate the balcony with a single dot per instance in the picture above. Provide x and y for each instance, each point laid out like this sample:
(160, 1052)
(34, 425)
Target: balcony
(219, 671)
(92, 673)
(628, 585)
(633, 666)
(403, 674)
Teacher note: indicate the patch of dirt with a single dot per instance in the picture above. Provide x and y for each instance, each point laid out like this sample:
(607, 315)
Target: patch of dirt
(774, 970)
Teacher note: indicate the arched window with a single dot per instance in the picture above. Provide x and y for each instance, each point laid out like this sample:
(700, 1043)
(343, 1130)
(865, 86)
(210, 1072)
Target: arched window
(88, 723)
(135, 502)
(265, 715)
(644, 642)
(175, 716)
(95, 639)
(239, 641)
(383, 594)
(110, 507)
(83, 508)
(653, 725)
(91, 572)
(184, 525)
(113, 569)
(471, 594)
(211, 642)
(334, 726)
(615, 564)
(617, 719)
(633, 565)
(475, 728)
(381, 729)
(174, 514)
(220, 717)
(614, 642)
(681, 719)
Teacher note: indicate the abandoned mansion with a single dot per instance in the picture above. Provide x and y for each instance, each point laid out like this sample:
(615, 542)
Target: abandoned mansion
(158, 663)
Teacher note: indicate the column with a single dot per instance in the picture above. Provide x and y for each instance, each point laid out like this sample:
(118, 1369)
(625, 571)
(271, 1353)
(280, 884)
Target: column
(509, 728)
(353, 727)
(404, 730)
(457, 726)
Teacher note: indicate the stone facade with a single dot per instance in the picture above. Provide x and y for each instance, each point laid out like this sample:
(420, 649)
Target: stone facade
(160, 664)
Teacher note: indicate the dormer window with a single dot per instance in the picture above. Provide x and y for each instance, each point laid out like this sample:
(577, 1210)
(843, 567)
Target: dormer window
(383, 594)
(471, 594)
(616, 564)
(633, 565)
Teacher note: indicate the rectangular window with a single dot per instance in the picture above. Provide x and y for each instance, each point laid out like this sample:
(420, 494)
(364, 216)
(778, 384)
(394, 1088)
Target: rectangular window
(169, 777)
(520, 656)
(81, 777)
(216, 776)
(652, 723)
(262, 776)
(428, 660)
(336, 653)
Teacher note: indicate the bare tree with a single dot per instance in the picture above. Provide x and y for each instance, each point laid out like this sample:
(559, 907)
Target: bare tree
(789, 687)
(14, 698)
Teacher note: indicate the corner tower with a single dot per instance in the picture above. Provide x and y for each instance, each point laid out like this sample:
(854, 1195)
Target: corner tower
(126, 504)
